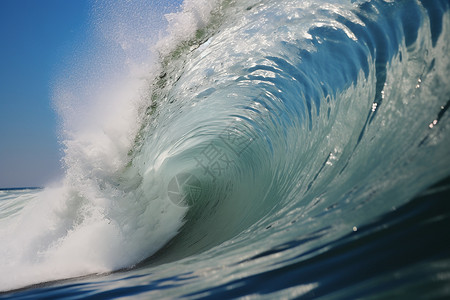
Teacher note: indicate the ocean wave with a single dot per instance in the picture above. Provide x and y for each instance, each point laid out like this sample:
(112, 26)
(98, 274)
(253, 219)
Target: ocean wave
(264, 121)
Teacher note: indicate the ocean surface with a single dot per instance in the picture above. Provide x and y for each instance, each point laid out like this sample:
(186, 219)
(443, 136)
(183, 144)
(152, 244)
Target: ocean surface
(279, 149)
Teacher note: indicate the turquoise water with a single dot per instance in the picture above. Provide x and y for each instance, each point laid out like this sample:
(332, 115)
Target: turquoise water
(285, 149)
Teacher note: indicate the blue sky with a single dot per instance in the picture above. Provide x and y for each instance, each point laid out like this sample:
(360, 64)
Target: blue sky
(34, 35)
(37, 37)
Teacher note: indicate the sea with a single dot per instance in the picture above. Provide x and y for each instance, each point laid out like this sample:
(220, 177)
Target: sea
(279, 149)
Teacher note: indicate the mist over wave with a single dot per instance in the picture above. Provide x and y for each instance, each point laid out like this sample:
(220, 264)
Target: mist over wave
(246, 125)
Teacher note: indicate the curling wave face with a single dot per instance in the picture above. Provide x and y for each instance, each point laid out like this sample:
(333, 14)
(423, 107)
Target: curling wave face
(305, 108)
(273, 120)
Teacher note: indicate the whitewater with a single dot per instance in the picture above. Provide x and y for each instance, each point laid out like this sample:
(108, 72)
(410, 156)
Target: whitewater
(255, 148)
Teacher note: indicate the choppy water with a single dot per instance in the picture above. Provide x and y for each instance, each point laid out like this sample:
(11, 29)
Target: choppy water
(285, 149)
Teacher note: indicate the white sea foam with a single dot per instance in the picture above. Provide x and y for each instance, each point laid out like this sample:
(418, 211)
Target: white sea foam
(100, 218)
